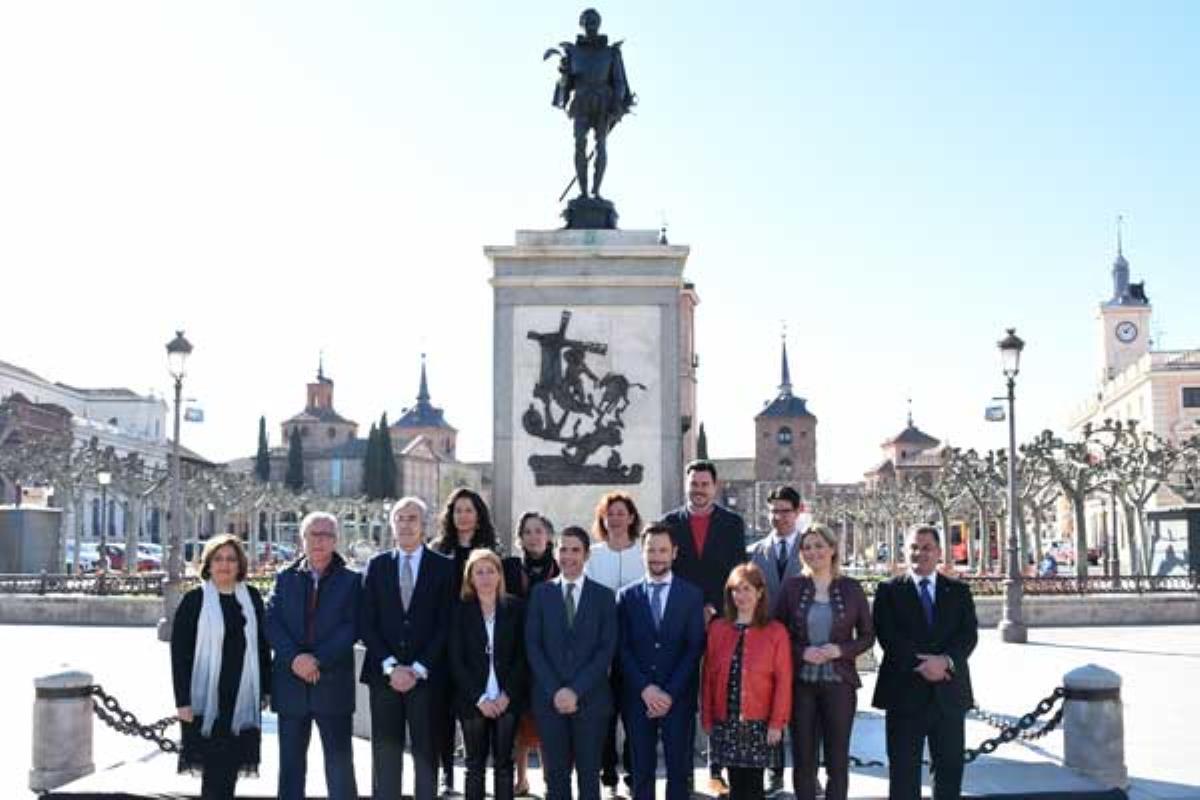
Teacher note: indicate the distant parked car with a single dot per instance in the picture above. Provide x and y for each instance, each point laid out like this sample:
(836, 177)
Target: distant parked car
(116, 559)
(89, 554)
(1064, 552)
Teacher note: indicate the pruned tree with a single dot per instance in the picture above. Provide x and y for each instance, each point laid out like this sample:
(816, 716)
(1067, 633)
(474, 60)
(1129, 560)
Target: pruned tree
(940, 493)
(1137, 463)
(1077, 470)
(975, 475)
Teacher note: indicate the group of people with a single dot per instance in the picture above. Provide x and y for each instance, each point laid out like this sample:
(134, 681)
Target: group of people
(664, 628)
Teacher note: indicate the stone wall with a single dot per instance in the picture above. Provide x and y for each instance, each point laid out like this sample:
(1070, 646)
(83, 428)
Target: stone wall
(33, 609)
(1116, 609)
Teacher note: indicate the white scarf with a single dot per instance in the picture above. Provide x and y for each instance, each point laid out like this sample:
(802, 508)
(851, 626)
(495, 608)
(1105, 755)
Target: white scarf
(206, 664)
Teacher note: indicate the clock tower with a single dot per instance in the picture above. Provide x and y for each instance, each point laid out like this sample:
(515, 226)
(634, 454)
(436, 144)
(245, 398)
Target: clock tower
(1124, 320)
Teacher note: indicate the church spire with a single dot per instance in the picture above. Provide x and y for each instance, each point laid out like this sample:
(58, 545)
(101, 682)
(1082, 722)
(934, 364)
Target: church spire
(910, 421)
(423, 394)
(1120, 268)
(785, 374)
(321, 366)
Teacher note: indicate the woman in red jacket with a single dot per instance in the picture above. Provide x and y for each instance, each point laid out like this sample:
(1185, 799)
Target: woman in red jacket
(829, 622)
(747, 696)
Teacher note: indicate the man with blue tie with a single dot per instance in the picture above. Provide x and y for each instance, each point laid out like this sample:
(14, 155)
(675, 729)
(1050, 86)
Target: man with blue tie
(926, 625)
(662, 640)
(407, 597)
(570, 640)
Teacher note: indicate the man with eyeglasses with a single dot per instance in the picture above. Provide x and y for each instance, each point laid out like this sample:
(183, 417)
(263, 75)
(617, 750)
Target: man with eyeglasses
(778, 556)
(312, 626)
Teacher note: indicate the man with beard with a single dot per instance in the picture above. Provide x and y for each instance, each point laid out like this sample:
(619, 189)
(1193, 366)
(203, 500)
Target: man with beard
(661, 619)
(710, 541)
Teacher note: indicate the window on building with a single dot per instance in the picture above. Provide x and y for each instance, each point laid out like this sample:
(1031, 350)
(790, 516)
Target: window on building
(784, 436)
(785, 469)
(1191, 397)
(333, 433)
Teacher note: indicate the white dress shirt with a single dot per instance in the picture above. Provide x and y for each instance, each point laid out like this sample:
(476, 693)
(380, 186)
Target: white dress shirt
(666, 590)
(563, 583)
(615, 569)
(492, 691)
(390, 662)
(916, 579)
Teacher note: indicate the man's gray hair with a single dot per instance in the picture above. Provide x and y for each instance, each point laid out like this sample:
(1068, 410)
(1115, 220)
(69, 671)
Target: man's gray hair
(313, 516)
(410, 500)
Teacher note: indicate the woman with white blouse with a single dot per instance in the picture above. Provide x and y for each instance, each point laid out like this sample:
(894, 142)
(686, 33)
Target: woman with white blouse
(615, 560)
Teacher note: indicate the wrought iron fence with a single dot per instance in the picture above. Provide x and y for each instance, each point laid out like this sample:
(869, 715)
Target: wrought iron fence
(150, 583)
(110, 583)
(1093, 584)
(105, 584)
(993, 585)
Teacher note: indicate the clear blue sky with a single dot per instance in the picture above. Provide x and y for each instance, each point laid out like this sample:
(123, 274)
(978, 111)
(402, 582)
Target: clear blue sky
(897, 182)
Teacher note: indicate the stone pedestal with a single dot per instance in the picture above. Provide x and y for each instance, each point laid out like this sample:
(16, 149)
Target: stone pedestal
(62, 730)
(590, 213)
(588, 363)
(1094, 725)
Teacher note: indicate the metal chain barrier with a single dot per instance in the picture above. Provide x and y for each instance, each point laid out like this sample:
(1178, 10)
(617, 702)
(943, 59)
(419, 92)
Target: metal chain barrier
(124, 722)
(1022, 729)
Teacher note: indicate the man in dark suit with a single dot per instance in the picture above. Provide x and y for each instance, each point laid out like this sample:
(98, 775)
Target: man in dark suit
(926, 625)
(711, 541)
(570, 640)
(662, 639)
(312, 621)
(777, 554)
(406, 604)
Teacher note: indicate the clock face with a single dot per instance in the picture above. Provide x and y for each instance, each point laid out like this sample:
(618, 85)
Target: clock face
(1127, 331)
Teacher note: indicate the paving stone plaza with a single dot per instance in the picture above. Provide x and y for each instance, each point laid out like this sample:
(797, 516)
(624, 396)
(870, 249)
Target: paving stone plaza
(1159, 666)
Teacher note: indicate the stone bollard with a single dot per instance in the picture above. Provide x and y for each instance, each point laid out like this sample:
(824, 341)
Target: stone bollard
(1094, 725)
(62, 730)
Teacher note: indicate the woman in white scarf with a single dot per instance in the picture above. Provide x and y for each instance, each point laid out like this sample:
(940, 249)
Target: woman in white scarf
(220, 663)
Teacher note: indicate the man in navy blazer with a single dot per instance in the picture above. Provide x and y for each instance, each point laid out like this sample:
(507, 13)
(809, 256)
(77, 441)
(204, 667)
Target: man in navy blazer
(312, 619)
(407, 598)
(661, 620)
(570, 640)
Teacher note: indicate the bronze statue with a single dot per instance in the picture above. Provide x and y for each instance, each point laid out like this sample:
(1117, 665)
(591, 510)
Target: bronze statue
(594, 91)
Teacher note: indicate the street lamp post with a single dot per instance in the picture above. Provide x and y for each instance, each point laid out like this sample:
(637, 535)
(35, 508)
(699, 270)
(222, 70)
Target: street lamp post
(1012, 626)
(178, 350)
(104, 478)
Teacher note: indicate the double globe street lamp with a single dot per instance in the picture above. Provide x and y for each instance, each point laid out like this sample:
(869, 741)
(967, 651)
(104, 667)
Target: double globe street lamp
(178, 350)
(1012, 626)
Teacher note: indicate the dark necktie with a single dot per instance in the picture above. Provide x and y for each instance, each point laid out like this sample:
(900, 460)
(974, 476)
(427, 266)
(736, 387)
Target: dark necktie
(570, 605)
(926, 602)
(656, 608)
(781, 558)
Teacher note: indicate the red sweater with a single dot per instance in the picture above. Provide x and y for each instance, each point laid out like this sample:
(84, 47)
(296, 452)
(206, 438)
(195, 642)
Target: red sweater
(766, 674)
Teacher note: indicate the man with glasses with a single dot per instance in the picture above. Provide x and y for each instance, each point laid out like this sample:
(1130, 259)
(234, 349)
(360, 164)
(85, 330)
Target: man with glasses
(312, 623)
(778, 556)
